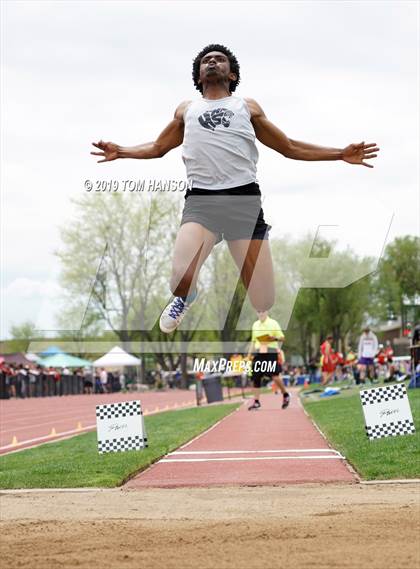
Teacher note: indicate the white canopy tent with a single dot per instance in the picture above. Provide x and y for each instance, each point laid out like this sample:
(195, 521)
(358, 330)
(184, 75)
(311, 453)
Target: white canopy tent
(33, 358)
(117, 357)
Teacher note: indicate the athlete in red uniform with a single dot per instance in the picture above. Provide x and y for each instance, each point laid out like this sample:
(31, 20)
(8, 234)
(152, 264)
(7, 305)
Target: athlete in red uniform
(328, 360)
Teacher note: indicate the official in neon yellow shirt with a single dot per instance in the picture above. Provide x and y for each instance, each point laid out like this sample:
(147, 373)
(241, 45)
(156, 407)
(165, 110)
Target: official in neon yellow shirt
(266, 335)
(264, 328)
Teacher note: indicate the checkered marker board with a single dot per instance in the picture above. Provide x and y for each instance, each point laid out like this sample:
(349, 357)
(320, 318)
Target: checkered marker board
(387, 411)
(120, 427)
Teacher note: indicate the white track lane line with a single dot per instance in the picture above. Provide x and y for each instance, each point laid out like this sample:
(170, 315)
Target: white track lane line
(303, 450)
(230, 459)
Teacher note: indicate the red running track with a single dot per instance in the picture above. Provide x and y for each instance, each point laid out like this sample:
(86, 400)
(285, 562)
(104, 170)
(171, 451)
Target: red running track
(31, 421)
(268, 446)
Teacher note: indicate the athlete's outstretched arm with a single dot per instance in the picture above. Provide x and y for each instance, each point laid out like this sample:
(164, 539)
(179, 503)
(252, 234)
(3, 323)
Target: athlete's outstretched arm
(171, 137)
(274, 138)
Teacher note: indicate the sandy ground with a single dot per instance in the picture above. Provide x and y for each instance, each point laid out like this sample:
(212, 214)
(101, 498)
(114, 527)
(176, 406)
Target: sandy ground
(301, 526)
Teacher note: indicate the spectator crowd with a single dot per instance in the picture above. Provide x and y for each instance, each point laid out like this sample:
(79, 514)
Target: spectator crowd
(33, 380)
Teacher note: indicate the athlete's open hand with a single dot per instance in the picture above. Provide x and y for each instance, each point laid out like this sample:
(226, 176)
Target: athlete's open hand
(109, 150)
(357, 153)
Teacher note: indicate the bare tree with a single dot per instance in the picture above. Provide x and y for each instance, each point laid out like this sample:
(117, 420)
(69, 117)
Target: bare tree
(116, 254)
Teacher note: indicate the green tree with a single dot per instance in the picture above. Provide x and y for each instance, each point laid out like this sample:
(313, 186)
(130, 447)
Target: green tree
(115, 263)
(115, 266)
(398, 277)
(21, 335)
(116, 251)
(339, 310)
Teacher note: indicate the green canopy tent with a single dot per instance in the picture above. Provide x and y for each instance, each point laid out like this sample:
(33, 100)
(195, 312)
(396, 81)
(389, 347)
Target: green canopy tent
(64, 360)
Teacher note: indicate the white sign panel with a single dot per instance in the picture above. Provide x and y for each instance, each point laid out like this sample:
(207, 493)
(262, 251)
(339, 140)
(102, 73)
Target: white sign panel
(387, 411)
(120, 427)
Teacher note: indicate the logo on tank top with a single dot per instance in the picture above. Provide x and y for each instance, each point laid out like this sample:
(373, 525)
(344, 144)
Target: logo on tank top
(216, 117)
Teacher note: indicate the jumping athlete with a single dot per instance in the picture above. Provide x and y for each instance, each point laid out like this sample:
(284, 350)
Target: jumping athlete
(218, 133)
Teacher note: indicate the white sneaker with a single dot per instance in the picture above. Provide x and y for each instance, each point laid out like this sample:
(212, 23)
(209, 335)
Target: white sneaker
(173, 314)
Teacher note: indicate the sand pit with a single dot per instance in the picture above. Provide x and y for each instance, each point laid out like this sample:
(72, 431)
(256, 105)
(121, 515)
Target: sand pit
(331, 526)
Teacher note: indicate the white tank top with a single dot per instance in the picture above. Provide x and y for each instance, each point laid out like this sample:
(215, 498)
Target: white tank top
(219, 149)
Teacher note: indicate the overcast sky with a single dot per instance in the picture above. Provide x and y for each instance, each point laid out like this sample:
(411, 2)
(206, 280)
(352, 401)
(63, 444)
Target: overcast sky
(330, 73)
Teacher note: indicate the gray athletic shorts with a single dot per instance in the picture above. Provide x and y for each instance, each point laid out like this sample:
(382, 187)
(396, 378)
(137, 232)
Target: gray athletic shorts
(231, 214)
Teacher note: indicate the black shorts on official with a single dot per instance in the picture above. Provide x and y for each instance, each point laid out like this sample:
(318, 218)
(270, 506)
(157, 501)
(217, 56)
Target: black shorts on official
(231, 214)
(269, 357)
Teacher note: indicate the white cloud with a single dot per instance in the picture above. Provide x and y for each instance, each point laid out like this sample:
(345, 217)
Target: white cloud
(29, 288)
(30, 299)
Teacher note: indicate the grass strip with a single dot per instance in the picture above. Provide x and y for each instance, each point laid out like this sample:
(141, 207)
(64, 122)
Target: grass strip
(76, 463)
(341, 420)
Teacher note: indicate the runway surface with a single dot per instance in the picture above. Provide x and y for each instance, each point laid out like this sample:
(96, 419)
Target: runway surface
(262, 447)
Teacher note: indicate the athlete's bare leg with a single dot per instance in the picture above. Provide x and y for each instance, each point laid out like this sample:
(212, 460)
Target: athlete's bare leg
(253, 259)
(278, 380)
(256, 393)
(326, 376)
(370, 372)
(193, 245)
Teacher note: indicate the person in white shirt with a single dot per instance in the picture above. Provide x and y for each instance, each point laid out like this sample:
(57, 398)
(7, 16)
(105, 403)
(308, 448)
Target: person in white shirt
(103, 376)
(122, 380)
(368, 348)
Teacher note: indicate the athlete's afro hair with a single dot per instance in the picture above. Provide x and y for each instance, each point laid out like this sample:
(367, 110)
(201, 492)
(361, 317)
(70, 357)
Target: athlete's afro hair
(234, 65)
